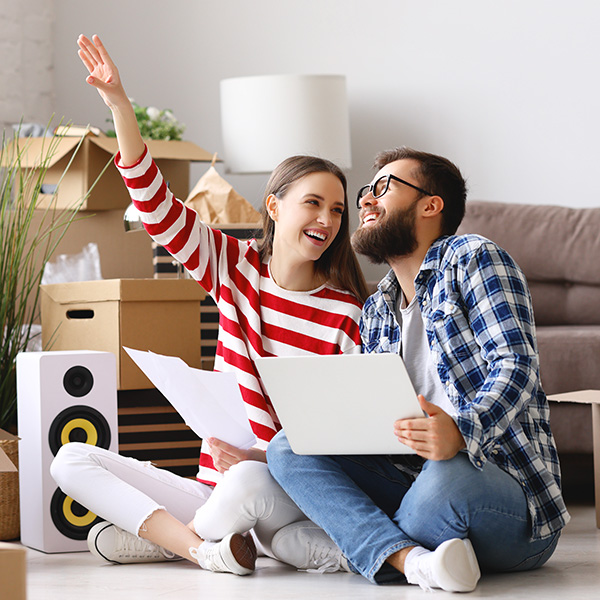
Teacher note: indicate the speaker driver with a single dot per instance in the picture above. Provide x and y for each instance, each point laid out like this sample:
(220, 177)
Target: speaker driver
(78, 381)
(79, 424)
(71, 518)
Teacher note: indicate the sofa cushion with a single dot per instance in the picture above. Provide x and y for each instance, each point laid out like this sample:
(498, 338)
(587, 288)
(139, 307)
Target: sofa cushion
(558, 249)
(571, 425)
(569, 354)
(569, 358)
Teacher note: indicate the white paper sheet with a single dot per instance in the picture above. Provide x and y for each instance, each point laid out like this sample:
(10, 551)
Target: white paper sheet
(210, 403)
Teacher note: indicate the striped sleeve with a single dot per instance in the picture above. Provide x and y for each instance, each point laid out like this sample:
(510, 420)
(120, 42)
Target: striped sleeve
(175, 226)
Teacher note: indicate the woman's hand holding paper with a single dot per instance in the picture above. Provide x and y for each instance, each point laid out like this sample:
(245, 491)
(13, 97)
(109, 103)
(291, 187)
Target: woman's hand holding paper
(225, 455)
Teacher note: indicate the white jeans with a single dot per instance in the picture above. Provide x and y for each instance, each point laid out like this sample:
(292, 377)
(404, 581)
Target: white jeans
(123, 490)
(247, 498)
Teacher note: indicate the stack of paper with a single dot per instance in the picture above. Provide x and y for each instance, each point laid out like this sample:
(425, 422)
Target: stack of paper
(210, 403)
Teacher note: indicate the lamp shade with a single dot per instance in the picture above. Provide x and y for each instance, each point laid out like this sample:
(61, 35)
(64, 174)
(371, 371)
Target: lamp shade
(268, 118)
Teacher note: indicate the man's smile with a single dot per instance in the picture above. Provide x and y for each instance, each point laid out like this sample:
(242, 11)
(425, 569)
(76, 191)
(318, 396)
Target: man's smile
(370, 215)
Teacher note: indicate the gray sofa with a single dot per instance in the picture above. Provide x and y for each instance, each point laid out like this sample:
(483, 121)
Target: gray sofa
(558, 249)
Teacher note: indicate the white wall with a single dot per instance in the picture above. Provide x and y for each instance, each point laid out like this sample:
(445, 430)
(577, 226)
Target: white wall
(509, 89)
(26, 71)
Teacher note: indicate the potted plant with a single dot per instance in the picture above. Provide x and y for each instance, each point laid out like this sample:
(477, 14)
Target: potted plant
(154, 124)
(24, 252)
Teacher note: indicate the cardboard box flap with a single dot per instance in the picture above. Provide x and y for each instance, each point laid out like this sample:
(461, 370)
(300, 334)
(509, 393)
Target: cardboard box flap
(4, 435)
(178, 151)
(6, 465)
(125, 290)
(32, 150)
(160, 149)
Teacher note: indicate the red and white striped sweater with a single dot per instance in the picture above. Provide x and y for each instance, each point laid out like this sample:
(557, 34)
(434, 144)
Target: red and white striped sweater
(256, 316)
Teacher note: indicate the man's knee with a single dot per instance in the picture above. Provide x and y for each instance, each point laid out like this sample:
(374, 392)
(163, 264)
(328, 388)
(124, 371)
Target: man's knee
(444, 482)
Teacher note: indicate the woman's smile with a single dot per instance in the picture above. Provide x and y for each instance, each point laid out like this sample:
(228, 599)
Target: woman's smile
(316, 236)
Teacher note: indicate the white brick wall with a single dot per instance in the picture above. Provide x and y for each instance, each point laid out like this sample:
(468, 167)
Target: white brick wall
(26, 63)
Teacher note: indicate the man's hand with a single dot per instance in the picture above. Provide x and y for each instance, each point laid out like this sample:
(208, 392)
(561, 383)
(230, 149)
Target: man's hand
(225, 455)
(435, 438)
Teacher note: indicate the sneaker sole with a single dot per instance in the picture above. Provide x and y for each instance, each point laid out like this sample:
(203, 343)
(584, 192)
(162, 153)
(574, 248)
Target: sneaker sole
(241, 555)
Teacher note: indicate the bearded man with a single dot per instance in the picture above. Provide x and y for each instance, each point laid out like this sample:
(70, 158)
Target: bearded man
(482, 492)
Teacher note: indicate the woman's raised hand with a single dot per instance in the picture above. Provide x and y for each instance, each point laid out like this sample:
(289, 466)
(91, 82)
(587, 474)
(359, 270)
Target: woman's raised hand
(104, 75)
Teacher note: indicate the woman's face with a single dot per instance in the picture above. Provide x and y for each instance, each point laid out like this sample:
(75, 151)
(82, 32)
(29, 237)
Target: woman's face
(308, 217)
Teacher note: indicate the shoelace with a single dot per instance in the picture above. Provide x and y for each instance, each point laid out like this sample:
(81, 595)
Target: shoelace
(208, 557)
(423, 576)
(326, 559)
(131, 544)
(214, 559)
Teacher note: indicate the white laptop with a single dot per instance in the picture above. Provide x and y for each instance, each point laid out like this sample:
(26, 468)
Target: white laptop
(340, 404)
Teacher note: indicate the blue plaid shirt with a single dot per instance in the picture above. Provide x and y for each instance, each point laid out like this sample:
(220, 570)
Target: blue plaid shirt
(478, 315)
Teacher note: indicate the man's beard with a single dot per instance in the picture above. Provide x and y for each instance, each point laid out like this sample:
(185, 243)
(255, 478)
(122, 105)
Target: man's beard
(391, 237)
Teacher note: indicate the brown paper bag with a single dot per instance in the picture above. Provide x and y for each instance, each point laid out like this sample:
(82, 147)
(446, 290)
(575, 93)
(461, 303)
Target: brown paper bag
(215, 201)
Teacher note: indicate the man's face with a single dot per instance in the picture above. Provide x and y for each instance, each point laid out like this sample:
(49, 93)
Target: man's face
(387, 224)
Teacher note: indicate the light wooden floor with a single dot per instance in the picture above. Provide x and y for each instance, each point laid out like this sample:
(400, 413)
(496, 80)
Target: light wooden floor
(572, 573)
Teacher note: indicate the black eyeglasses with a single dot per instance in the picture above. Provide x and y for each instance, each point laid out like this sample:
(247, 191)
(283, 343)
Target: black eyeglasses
(381, 186)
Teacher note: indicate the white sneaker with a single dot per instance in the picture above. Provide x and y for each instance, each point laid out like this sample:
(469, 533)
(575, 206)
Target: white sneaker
(235, 553)
(111, 543)
(307, 547)
(452, 567)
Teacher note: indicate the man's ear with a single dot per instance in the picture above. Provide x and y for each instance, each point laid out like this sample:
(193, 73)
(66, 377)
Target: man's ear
(433, 206)
(271, 204)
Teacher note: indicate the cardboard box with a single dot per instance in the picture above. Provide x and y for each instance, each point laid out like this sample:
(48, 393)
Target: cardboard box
(173, 159)
(9, 487)
(13, 569)
(104, 228)
(6, 465)
(146, 314)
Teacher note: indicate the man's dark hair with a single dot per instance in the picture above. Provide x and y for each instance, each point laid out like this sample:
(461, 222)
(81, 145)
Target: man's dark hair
(438, 176)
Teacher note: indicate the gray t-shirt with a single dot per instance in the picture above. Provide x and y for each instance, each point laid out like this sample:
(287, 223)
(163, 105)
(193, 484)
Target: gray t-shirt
(417, 357)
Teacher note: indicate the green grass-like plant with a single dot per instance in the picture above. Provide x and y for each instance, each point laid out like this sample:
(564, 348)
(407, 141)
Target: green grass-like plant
(24, 252)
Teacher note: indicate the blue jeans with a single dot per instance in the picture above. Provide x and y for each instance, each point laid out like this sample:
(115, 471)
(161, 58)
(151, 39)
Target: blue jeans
(371, 509)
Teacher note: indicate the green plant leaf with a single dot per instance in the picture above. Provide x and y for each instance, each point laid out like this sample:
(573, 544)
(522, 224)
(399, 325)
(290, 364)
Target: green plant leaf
(25, 250)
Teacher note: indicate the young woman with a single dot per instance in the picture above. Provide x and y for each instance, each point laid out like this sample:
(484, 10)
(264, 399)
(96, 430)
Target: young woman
(297, 291)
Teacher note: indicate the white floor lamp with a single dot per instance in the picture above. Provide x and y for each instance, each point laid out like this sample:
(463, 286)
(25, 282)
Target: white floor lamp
(267, 118)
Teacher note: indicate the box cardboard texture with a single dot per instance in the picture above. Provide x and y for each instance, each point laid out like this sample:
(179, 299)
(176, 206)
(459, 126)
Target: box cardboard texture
(172, 157)
(6, 465)
(146, 314)
(13, 570)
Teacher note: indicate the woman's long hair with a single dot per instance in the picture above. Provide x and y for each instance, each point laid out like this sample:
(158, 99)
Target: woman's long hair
(338, 264)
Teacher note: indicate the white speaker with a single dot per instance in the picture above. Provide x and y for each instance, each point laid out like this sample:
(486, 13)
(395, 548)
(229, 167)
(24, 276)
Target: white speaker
(62, 397)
